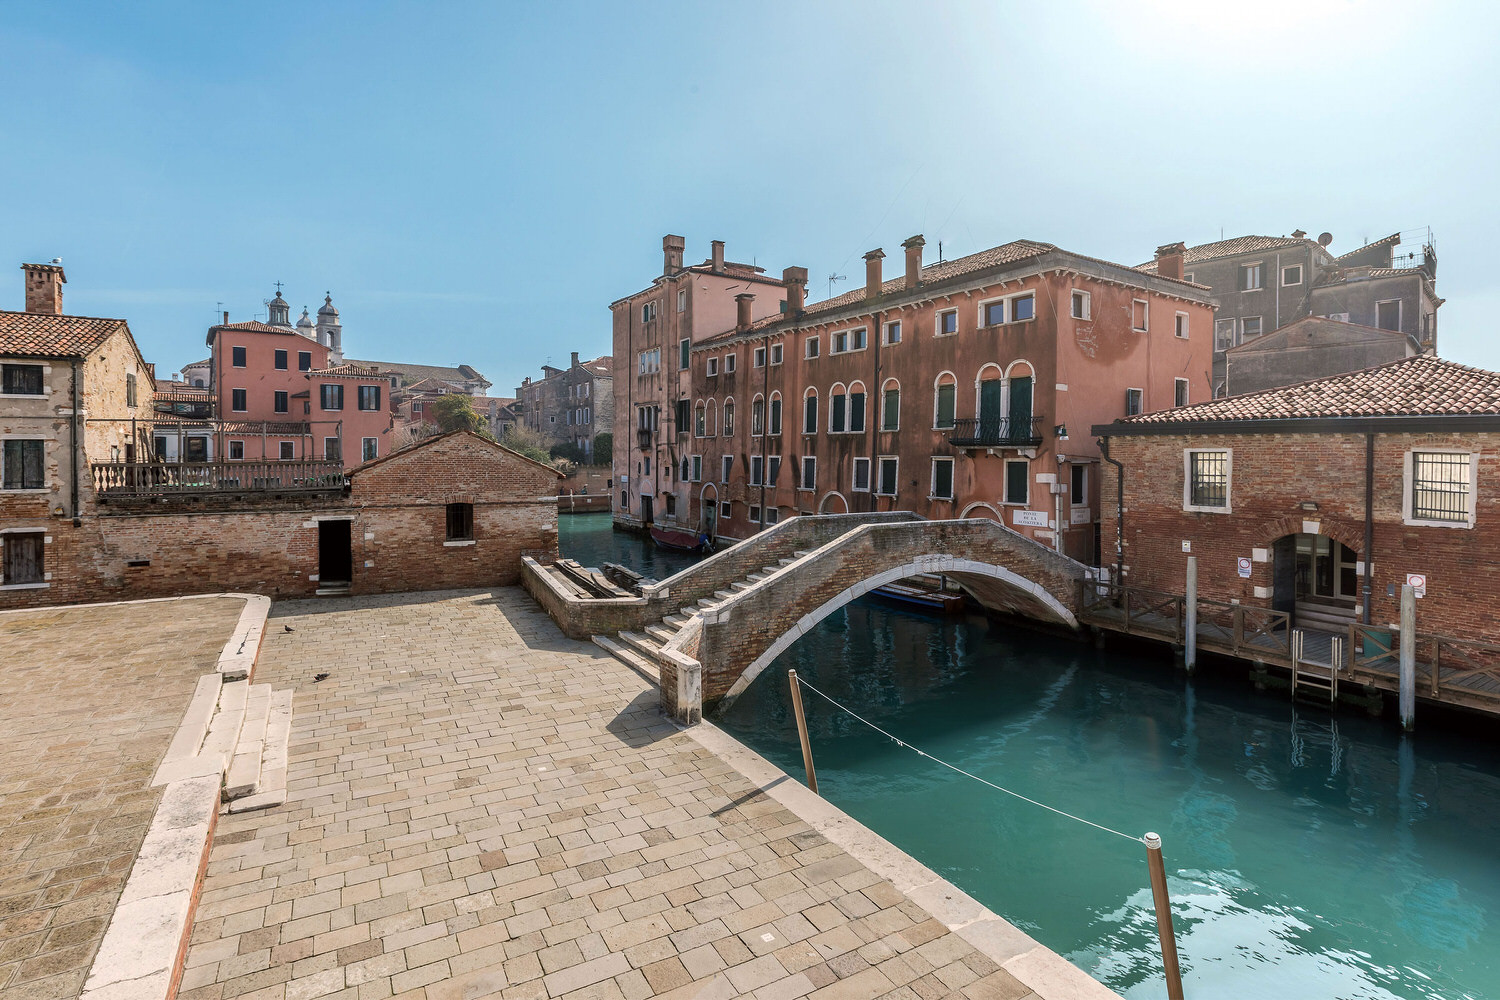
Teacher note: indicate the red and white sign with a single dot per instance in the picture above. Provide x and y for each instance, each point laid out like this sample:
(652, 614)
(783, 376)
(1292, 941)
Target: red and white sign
(1245, 566)
(1418, 583)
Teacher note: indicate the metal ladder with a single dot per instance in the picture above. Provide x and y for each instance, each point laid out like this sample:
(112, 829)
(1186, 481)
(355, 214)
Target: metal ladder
(1312, 679)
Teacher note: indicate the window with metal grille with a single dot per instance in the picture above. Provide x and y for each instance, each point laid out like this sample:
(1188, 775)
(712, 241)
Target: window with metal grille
(460, 522)
(1439, 486)
(22, 380)
(1210, 479)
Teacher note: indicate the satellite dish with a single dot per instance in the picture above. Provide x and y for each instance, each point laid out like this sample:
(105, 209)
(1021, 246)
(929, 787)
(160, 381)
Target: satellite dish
(1324, 239)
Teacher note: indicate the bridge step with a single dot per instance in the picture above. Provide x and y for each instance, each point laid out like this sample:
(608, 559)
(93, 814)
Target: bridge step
(675, 622)
(724, 595)
(740, 585)
(626, 655)
(660, 633)
(784, 562)
(643, 644)
(757, 577)
(799, 554)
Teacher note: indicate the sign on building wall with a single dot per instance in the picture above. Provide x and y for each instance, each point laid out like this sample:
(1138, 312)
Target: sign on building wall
(1030, 518)
(1244, 562)
(1418, 583)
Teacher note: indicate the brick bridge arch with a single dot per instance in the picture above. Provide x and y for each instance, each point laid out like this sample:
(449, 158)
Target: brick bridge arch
(736, 639)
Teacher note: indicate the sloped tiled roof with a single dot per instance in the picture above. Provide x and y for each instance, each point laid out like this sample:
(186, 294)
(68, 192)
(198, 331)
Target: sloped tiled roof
(254, 326)
(350, 370)
(432, 385)
(1309, 327)
(1423, 386)
(415, 373)
(1235, 245)
(1387, 243)
(599, 366)
(57, 336)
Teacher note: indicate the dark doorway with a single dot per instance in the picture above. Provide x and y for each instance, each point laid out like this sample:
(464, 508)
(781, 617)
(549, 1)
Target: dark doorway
(335, 556)
(196, 450)
(1284, 575)
(646, 517)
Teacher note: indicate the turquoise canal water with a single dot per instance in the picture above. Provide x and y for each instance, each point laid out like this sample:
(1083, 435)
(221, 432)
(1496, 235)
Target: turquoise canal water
(1312, 855)
(590, 539)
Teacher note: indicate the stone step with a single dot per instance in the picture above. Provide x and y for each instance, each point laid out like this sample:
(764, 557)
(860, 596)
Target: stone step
(723, 595)
(627, 656)
(250, 748)
(757, 577)
(801, 552)
(660, 633)
(740, 585)
(784, 562)
(642, 644)
(706, 602)
(270, 790)
(224, 731)
(676, 622)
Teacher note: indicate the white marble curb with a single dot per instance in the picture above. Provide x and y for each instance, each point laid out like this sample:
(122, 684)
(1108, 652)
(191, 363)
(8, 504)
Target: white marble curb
(1039, 969)
(238, 658)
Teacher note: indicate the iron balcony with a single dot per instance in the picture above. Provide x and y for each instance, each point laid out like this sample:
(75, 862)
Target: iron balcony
(996, 432)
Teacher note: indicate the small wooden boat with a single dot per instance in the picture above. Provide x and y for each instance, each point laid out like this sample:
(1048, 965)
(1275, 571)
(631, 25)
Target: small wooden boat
(681, 539)
(937, 601)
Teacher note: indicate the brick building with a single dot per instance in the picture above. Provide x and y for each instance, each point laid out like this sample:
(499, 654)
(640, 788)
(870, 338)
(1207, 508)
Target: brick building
(570, 405)
(654, 331)
(1329, 491)
(962, 388)
(73, 389)
(1263, 283)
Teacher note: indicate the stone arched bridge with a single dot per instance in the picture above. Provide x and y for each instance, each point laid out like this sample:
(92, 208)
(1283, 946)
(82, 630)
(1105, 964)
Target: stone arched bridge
(711, 629)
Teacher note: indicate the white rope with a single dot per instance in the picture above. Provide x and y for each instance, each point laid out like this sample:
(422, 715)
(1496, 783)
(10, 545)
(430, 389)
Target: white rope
(937, 760)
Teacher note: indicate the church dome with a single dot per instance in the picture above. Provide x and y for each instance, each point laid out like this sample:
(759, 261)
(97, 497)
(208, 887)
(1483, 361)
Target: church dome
(306, 321)
(327, 308)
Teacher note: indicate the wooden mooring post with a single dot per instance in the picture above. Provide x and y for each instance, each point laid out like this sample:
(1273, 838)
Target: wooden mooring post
(1163, 916)
(807, 761)
(1190, 617)
(1408, 676)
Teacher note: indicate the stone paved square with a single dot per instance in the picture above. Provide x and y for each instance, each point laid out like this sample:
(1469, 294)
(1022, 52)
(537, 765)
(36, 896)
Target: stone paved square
(90, 698)
(478, 806)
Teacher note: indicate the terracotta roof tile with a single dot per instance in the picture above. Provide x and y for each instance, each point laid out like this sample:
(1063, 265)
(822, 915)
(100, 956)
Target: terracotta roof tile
(254, 326)
(457, 375)
(1238, 244)
(350, 370)
(58, 336)
(1421, 386)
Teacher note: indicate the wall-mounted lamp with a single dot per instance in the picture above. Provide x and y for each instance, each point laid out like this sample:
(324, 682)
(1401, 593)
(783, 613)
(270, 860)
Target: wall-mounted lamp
(57, 511)
(1061, 432)
(1308, 505)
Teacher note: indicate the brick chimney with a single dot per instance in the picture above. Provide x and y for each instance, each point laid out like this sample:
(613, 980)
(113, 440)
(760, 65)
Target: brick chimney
(575, 359)
(873, 280)
(1169, 260)
(716, 259)
(44, 288)
(913, 249)
(742, 309)
(226, 317)
(795, 280)
(671, 253)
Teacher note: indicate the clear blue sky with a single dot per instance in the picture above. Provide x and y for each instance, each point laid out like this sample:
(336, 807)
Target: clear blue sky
(476, 182)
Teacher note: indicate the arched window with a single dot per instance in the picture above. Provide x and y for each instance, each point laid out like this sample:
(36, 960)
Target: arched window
(729, 417)
(757, 416)
(945, 399)
(713, 422)
(810, 411)
(1019, 387)
(775, 413)
(838, 409)
(890, 405)
(856, 408)
(989, 403)
(700, 421)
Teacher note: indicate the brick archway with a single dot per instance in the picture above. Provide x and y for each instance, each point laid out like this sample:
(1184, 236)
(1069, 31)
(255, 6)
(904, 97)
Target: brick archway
(1339, 531)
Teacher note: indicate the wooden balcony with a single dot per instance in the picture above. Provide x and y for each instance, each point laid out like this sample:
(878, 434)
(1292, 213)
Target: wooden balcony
(164, 479)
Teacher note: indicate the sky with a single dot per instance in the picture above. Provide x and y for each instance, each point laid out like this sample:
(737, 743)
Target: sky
(475, 183)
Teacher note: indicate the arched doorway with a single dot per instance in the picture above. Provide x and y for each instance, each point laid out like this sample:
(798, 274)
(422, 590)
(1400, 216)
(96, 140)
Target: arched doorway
(833, 503)
(1316, 579)
(708, 512)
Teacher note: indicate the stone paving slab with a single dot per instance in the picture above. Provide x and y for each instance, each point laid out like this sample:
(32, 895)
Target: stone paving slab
(90, 699)
(479, 807)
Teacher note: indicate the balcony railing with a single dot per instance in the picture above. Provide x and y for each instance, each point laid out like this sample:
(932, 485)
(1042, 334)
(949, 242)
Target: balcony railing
(147, 479)
(996, 432)
(643, 436)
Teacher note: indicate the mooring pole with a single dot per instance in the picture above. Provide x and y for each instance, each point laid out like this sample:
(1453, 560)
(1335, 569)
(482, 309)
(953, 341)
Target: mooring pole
(1408, 656)
(1190, 615)
(1163, 916)
(807, 761)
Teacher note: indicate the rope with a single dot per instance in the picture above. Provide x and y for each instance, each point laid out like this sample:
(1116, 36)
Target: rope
(937, 760)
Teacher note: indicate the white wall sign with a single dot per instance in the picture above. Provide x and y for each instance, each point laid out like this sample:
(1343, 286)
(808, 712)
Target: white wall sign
(1418, 583)
(1244, 566)
(1030, 518)
(1187, 546)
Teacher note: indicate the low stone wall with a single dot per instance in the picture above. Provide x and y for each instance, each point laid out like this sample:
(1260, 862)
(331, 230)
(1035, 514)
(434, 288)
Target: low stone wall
(585, 617)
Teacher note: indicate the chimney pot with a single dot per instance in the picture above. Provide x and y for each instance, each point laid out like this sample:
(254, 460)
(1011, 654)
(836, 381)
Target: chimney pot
(742, 310)
(718, 256)
(873, 280)
(1169, 259)
(913, 249)
(795, 280)
(575, 359)
(671, 252)
(44, 288)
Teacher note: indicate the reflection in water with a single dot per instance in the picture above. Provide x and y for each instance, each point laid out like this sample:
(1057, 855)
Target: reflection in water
(591, 539)
(1311, 855)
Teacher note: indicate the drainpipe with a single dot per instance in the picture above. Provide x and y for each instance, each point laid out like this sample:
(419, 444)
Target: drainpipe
(1277, 276)
(872, 410)
(765, 426)
(73, 439)
(1119, 508)
(1367, 586)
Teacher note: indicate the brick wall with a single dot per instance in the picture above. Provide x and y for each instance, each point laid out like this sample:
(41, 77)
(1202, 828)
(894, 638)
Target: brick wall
(1272, 475)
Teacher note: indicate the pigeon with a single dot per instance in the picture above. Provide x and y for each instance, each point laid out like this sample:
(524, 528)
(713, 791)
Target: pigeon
(319, 677)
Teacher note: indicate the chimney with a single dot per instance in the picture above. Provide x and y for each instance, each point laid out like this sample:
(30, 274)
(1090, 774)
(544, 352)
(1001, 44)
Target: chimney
(795, 280)
(226, 317)
(671, 253)
(913, 249)
(575, 359)
(742, 309)
(1169, 260)
(873, 280)
(1297, 234)
(44, 288)
(718, 257)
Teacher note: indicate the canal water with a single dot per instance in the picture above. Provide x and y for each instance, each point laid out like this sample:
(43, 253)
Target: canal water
(591, 540)
(1312, 855)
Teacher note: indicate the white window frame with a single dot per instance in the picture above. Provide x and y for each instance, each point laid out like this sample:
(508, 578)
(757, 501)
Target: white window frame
(932, 493)
(1005, 483)
(1187, 481)
(773, 469)
(1220, 327)
(46, 380)
(1260, 275)
(373, 446)
(1300, 275)
(937, 323)
(682, 300)
(811, 348)
(287, 448)
(754, 516)
(854, 474)
(1186, 387)
(806, 483)
(230, 457)
(1408, 477)
(776, 355)
(1140, 395)
(726, 468)
(1400, 313)
(684, 354)
(758, 358)
(1145, 315)
(757, 470)
(886, 333)
(726, 510)
(1260, 321)
(697, 469)
(895, 479)
(711, 367)
(729, 363)
(880, 427)
(1084, 468)
(648, 311)
(1088, 304)
(1180, 327)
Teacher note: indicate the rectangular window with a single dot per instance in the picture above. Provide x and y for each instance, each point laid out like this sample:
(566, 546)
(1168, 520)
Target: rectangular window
(1078, 494)
(369, 397)
(890, 412)
(281, 360)
(1018, 482)
(1249, 328)
(287, 451)
(333, 450)
(946, 396)
(648, 362)
(711, 366)
(862, 475)
(237, 356)
(236, 451)
(1388, 314)
(304, 361)
(809, 472)
(1181, 326)
(1207, 480)
(812, 347)
(21, 380)
(1082, 305)
(947, 322)
(773, 514)
(942, 478)
(726, 510)
(773, 470)
(237, 400)
(197, 449)
(775, 354)
(757, 470)
(25, 555)
(729, 360)
(893, 332)
(1133, 402)
(810, 415)
(331, 396)
(856, 412)
(1291, 275)
(838, 405)
(416, 407)
(23, 463)
(684, 354)
(1440, 487)
(682, 300)
(760, 357)
(857, 339)
(1250, 279)
(755, 513)
(681, 424)
(1022, 308)
(130, 390)
(1223, 334)
(886, 485)
(994, 313)
(1140, 315)
(624, 499)
(727, 467)
(369, 449)
(839, 342)
(1179, 392)
(776, 415)
(460, 522)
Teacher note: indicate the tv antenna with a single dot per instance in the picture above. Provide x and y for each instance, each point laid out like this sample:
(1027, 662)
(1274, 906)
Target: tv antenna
(835, 277)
